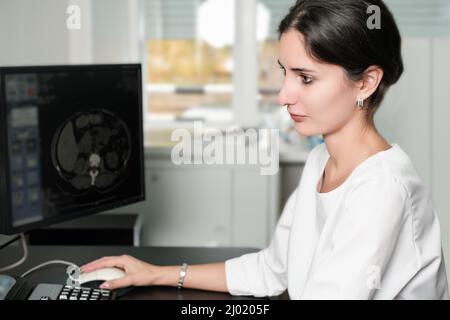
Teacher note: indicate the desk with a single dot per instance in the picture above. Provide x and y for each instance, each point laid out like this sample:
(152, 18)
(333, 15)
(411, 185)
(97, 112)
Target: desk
(156, 255)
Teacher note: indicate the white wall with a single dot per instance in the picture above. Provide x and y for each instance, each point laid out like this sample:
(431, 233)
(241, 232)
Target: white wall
(33, 32)
(116, 31)
(404, 116)
(440, 147)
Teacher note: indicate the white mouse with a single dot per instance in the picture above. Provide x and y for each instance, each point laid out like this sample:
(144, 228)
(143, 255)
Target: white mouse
(103, 274)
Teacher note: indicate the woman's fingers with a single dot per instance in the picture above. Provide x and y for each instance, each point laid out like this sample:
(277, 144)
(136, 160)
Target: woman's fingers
(117, 283)
(104, 263)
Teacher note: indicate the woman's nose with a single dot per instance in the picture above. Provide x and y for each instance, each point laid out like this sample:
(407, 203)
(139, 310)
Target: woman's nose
(284, 97)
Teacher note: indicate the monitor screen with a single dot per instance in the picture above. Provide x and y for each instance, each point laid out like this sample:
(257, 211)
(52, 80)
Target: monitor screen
(71, 142)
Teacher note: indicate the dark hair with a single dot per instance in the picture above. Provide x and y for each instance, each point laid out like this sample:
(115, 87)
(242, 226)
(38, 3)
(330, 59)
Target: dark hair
(336, 32)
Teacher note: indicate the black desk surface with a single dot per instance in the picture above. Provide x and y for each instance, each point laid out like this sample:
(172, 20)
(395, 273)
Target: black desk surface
(156, 255)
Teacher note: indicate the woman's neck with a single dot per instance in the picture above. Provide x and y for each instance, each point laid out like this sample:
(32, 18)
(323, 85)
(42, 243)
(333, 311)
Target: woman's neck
(350, 146)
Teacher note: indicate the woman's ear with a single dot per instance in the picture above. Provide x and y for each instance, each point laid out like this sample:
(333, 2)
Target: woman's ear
(370, 81)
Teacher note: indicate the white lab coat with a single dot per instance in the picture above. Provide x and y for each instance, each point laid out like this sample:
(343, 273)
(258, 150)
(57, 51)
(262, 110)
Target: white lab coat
(382, 241)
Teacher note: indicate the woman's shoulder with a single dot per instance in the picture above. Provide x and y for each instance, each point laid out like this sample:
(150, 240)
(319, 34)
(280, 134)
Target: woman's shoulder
(316, 154)
(392, 165)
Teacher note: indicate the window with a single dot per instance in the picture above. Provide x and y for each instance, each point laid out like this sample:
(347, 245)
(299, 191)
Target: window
(189, 56)
(270, 78)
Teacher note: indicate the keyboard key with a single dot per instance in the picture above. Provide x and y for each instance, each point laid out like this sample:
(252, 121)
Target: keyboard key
(84, 293)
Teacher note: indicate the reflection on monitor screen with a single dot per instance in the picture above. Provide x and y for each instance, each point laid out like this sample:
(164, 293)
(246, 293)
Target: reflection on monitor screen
(73, 142)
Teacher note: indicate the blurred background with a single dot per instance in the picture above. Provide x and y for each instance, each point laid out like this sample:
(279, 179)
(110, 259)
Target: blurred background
(215, 61)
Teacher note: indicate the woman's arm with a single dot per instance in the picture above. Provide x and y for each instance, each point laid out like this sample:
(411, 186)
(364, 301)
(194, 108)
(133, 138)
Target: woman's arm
(139, 273)
(209, 277)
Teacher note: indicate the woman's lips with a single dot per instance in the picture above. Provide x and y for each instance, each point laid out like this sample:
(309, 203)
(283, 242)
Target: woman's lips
(297, 117)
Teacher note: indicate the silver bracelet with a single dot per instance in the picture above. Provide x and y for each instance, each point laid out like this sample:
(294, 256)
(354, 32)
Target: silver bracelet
(182, 275)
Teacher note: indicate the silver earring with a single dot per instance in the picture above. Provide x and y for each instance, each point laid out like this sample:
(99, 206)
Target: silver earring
(360, 102)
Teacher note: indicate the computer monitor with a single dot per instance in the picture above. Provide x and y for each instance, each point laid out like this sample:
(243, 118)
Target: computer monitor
(71, 142)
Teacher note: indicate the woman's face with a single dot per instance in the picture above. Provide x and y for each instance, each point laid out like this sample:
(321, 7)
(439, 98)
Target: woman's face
(318, 96)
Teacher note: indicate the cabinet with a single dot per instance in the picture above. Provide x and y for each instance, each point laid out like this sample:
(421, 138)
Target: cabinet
(206, 205)
(188, 206)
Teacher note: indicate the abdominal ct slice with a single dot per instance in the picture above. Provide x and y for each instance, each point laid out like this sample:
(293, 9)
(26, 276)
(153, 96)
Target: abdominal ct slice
(91, 151)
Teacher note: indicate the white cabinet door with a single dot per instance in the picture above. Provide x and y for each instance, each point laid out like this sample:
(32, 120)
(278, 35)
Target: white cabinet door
(254, 208)
(187, 207)
(205, 205)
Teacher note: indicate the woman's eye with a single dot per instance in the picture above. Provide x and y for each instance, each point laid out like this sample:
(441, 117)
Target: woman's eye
(306, 79)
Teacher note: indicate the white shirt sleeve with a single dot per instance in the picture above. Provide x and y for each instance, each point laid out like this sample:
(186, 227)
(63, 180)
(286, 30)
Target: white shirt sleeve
(263, 273)
(363, 242)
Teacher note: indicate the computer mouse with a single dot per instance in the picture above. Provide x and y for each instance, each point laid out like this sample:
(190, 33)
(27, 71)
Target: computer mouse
(95, 278)
(102, 274)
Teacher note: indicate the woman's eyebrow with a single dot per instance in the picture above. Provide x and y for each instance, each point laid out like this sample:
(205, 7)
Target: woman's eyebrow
(297, 69)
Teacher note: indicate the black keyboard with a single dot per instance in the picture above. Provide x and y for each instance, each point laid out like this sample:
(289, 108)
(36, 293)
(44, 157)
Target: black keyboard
(46, 291)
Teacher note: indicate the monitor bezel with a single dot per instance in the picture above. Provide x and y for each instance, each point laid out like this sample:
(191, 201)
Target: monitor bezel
(6, 226)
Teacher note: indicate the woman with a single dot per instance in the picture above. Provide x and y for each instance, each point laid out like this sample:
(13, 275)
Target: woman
(361, 224)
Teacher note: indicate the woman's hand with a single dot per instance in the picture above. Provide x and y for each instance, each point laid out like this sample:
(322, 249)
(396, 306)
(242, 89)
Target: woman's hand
(138, 273)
